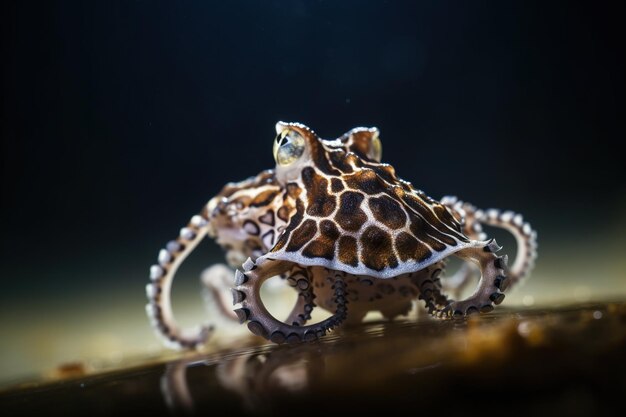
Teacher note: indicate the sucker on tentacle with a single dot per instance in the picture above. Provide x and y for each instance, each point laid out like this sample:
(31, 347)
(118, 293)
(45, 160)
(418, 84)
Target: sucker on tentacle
(525, 236)
(430, 292)
(159, 309)
(301, 312)
(262, 323)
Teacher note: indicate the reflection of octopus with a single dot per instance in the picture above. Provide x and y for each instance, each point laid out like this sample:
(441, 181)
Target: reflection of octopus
(346, 233)
(257, 377)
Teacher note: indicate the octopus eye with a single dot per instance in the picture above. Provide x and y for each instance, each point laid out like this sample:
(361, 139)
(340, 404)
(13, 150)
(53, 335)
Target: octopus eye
(376, 150)
(288, 147)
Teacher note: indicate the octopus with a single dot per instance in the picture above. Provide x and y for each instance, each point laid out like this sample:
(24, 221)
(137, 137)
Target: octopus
(347, 233)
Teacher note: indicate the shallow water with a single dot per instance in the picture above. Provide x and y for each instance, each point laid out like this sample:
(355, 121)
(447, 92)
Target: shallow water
(543, 361)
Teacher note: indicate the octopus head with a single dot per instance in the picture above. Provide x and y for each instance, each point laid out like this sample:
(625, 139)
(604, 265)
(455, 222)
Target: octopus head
(248, 217)
(296, 146)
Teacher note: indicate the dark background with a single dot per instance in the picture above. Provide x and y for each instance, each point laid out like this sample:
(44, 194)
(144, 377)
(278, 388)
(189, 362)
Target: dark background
(120, 120)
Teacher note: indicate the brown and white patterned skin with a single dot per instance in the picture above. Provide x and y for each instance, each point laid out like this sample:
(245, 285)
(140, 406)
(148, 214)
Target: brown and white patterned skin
(346, 233)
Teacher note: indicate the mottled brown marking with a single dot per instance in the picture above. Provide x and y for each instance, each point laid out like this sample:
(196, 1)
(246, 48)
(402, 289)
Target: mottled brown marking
(409, 248)
(267, 218)
(294, 221)
(293, 190)
(388, 212)
(338, 159)
(352, 159)
(361, 143)
(406, 186)
(398, 191)
(329, 230)
(336, 185)
(350, 217)
(302, 235)
(421, 230)
(324, 245)
(319, 249)
(264, 198)
(387, 172)
(377, 252)
(348, 251)
(365, 180)
(447, 218)
(321, 203)
(283, 213)
(318, 153)
(433, 226)
(251, 227)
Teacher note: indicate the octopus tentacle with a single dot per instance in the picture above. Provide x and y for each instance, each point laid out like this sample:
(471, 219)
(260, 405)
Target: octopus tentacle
(430, 290)
(301, 312)
(262, 323)
(159, 308)
(219, 296)
(472, 220)
(465, 213)
(217, 281)
(490, 287)
(525, 236)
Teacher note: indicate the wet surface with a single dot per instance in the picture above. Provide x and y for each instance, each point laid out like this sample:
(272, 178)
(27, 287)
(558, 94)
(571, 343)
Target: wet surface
(565, 361)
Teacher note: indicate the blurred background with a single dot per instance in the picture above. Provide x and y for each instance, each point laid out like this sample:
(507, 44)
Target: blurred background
(121, 119)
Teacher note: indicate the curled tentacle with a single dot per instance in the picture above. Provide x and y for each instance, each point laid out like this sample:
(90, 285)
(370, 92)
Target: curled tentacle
(525, 236)
(492, 282)
(262, 323)
(219, 295)
(472, 220)
(159, 308)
